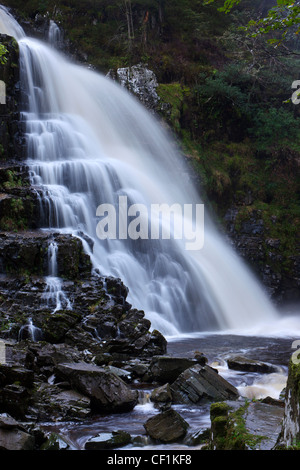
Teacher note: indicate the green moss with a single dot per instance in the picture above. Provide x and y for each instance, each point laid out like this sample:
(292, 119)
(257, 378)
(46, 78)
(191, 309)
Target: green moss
(229, 428)
(173, 95)
(12, 180)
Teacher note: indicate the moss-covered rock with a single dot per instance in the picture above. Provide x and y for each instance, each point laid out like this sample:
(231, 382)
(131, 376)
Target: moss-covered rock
(289, 436)
(228, 428)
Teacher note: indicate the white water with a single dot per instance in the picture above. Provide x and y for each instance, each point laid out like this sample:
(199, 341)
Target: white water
(54, 296)
(89, 142)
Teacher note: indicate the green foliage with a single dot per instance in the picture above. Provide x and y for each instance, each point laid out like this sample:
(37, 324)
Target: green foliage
(3, 52)
(274, 126)
(282, 17)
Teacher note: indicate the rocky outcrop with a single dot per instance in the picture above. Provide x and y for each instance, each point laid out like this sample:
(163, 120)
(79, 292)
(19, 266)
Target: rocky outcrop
(140, 81)
(107, 392)
(167, 369)
(200, 384)
(265, 254)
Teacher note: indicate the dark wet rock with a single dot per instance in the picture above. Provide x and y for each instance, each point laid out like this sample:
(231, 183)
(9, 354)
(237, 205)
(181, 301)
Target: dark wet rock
(112, 440)
(201, 384)
(26, 253)
(166, 369)
(273, 401)
(197, 438)
(107, 392)
(246, 364)
(15, 439)
(15, 374)
(50, 402)
(15, 399)
(166, 427)
(162, 394)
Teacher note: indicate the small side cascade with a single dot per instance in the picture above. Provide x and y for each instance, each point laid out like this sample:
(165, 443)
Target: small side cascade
(55, 36)
(30, 331)
(54, 296)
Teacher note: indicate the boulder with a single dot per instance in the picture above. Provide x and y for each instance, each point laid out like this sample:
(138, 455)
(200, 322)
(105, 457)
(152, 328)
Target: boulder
(15, 439)
(202, 384)
(107, 392)
(166, 427)
(108, 440)
(165, 369)
(249, 365)
(13, 436)
(161, 394)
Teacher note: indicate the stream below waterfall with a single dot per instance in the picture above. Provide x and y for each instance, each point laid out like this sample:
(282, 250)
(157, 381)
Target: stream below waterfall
(216, 347)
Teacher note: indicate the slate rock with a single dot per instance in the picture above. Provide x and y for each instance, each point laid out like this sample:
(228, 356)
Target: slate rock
(202, 384)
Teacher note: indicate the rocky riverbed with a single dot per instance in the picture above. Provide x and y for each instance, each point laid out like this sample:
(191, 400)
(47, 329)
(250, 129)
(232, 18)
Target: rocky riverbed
(81, 394)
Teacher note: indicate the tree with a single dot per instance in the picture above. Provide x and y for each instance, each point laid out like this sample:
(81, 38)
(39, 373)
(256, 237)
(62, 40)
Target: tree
(283, 16)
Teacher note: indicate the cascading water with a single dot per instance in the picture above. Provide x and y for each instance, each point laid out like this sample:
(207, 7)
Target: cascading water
(54, 296)
(90, 142)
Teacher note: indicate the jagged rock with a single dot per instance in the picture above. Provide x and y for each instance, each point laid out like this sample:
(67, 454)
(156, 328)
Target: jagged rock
(108, 441)
(13, 435)
(107, 392)
(249, 365)
(161, 394)
(166, 369)
(15, 439)
(14, 399)
(167, 426)
(26, 253)
(200, 384)
(13, 374)
(141, 81)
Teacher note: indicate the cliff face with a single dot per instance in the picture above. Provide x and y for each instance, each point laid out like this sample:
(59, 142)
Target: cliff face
(10, 132)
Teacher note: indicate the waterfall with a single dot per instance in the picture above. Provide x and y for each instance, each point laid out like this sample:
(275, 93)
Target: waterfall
(55, 297)
(89, 143)
(30, 331)
(54, 35)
